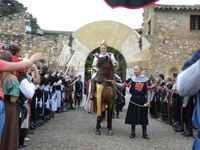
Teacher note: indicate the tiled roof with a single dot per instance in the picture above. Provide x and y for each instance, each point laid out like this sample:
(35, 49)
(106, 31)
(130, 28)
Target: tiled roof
(56, 32)
(176, 7)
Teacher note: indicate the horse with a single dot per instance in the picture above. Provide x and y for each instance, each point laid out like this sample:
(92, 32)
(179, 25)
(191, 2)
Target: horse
(105, 93)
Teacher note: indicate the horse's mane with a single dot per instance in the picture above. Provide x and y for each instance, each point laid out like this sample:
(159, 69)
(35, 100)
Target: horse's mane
(106, 68)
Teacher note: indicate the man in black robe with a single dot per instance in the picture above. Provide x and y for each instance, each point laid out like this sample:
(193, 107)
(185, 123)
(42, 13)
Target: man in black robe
(137, 113)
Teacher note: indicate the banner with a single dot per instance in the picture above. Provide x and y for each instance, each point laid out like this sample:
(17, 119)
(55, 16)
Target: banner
(65, 55)
(131, 4)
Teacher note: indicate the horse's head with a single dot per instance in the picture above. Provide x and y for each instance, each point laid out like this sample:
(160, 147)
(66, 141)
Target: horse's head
(106, 68)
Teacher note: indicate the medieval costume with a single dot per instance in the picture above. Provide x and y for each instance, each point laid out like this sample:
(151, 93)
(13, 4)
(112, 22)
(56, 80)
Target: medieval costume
(78, 95)
(27, 90)
(10, 136)
(53, 99)
(137, 113)
(103, 53)
(68, 92)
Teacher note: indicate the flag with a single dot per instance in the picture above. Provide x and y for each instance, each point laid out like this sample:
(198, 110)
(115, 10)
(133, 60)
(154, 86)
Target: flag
(65, 55)
(130, 4)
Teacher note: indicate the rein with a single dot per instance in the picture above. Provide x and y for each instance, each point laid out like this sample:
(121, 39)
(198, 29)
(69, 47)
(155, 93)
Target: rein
(129, 94)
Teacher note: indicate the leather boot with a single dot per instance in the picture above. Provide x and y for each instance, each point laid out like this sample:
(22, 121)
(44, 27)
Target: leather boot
(132, 135)
(144, 131)
(188, 134)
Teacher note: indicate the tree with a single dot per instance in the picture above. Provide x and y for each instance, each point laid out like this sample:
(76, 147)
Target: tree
(10, 7)
(34, 24)
(121, 71)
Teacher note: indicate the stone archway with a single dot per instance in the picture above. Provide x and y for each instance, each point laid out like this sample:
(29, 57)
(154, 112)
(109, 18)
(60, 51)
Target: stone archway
(134, 47)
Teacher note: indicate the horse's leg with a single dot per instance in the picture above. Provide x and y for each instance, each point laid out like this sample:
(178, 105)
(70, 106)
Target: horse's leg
(99, 111)
(113, 113)
(98, 126)
(109, 119)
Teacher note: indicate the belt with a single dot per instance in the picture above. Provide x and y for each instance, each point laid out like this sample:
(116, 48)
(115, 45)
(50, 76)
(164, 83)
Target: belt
(138, 96)
(198, 134)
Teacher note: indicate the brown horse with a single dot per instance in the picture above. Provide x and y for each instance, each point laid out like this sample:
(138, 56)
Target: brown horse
(105, 93)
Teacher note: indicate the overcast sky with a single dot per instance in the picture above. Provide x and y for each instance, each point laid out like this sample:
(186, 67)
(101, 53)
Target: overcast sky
(70, 15)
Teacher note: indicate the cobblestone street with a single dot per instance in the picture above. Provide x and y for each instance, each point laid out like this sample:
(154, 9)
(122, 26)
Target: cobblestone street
(75, 130)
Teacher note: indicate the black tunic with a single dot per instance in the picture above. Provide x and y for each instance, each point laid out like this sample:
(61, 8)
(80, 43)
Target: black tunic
(135, 114)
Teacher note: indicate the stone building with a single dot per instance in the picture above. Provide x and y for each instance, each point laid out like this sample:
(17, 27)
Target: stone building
(170, 35)
(13, 29)
(174, 34)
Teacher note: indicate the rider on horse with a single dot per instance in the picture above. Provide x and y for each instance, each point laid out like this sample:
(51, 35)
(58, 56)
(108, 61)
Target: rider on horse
(103, 53)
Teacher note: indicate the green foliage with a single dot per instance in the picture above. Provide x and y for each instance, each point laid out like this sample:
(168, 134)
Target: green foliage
(121, 71)
(10, 7)
(34, 25)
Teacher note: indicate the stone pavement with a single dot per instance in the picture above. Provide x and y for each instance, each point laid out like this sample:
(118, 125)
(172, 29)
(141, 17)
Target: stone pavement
(75, 130)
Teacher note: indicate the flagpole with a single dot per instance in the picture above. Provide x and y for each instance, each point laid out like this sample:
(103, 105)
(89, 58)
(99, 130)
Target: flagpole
(60, 58)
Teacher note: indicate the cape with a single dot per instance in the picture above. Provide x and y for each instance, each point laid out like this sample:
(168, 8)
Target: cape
(141, 78)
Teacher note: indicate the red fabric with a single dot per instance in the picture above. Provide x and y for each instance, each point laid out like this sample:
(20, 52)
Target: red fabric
(149, 88)
(16, 59)
(127, 84)
(29, 100)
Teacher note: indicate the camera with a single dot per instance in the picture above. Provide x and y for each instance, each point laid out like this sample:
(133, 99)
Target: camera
(6, 47)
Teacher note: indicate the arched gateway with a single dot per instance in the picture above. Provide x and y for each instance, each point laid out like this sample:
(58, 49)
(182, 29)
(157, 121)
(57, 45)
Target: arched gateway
(134, 48)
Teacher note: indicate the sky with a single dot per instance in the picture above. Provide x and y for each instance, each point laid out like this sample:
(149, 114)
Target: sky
(70, 15)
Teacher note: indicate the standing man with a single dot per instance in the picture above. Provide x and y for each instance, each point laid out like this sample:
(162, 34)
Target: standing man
(137, 113)
(78, 91)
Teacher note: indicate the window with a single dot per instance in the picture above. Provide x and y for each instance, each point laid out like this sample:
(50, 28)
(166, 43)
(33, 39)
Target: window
(195, 22)
(149, 27)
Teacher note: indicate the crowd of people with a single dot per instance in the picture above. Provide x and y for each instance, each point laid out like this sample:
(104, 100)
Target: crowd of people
(169, 107)
(31, 95)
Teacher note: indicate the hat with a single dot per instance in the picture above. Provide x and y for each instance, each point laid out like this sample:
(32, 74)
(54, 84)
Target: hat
(103, 44)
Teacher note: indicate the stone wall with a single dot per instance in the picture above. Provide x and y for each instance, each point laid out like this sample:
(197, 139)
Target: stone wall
(13, 24)
(167, 31)
(12, 30)
(172, 42)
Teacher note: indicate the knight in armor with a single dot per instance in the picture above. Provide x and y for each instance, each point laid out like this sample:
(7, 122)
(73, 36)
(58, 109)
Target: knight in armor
(103, 53)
